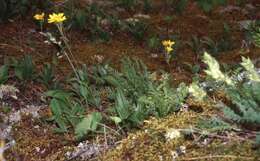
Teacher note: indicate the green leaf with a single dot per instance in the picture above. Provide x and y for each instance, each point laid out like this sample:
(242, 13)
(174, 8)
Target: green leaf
(61, 124)
(58, 94)
(3, 11)
(214, 69)
(257, 140)
(250, 68)
(80, 19)
(88, 124)
(3, 73)
(116, 120)
(56, 107)
(25, 69)
(197, 92)
(122, 105)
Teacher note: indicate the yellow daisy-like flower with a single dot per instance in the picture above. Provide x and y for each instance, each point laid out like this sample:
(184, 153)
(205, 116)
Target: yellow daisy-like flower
(39, 17)
(56, 18)
(168, 43)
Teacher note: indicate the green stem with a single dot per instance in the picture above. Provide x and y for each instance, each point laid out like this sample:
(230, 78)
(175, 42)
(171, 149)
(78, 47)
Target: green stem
(64, 39)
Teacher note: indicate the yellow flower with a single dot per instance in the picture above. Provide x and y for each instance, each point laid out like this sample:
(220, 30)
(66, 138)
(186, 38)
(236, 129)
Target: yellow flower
(39, 17)
(56, 18)
(168, 43)
(168, 49)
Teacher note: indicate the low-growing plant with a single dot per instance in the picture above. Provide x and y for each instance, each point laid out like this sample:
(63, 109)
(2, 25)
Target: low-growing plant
(147, 6)
(254, 30)
(69, 114)
(154, 43)
(214, 124)
(243, 97)
(90, 19)
(195, 69)
(24, 68)
(10, 8)
(211, 45)
(80, 19)
(196, 44)
(88, 95)
(66, 113)
(4, 74)
(127, 113)
(127, 4)
(208, 5)
(132, 93)
(136, 28)
(47, 76)
(162, 99)
(139, 96)
(89, 124)
(168, 20)
(114, 21)
(180, 5)
(159, 101)
(221, 45)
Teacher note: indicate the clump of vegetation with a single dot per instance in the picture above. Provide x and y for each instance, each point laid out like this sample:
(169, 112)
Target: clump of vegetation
(242, 106)
(208, 5)
(134, 94)
(136, 28)
(105, 102)
(4, 75)
(255, 33)
(17, 7)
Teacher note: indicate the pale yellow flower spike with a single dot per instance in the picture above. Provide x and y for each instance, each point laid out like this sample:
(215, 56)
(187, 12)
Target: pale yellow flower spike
(39, 17)
(56, 18)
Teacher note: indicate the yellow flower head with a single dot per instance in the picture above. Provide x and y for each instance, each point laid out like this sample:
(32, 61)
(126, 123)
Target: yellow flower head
(56, 18)
(168, 43)
(39, 17)
(168, 49)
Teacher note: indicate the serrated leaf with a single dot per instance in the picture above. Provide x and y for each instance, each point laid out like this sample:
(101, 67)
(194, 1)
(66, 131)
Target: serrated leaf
(214, 69)
(250, 68)
(197, 92)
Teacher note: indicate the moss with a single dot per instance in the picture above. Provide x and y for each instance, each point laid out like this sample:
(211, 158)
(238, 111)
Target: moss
(37, 143)
(149, 144)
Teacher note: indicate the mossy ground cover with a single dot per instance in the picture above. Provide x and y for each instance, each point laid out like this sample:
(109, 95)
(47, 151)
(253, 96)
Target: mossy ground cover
(35, 139)
(150, 144)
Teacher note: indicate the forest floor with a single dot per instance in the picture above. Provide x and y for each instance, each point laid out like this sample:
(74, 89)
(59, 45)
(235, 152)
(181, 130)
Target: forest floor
(34, 136)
